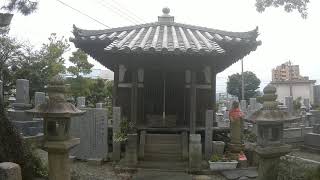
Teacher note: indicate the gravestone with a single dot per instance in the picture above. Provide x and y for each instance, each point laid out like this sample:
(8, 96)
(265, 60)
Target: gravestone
(39, 98)
(23, 121)
(243, 105)
(92, 129)
(81, 102)
(306, 103)
(253, 104)
(289, 104)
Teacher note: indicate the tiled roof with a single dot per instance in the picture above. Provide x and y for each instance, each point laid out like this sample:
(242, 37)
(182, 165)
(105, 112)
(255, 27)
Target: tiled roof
(165, 36)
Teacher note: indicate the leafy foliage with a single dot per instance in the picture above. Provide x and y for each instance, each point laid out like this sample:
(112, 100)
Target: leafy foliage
(25, 7)
(251, 84)
(13, 149)
(81, 64)
(11, 52)
(289, 5)
(40, 66)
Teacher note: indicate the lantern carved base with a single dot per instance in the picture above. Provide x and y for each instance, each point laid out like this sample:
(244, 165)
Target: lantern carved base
(58, 155)
(269, 158)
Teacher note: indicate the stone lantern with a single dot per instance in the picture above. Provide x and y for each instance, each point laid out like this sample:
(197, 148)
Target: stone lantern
(57, 113)
(270, 147)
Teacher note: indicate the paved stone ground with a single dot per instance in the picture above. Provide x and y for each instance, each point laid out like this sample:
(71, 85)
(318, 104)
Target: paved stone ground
(306, 155)
(166, 175)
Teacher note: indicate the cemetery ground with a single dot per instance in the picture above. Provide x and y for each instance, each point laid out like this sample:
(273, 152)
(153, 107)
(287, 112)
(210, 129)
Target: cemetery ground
(85, 170)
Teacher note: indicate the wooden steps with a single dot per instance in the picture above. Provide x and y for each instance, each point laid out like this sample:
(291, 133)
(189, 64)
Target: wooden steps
(163, 147)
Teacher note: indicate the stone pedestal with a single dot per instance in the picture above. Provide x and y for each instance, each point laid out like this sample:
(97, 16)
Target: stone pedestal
(195, 152)
(269, 158)
(131, 156)
(58, 156)
(10, 171)
(218, 147)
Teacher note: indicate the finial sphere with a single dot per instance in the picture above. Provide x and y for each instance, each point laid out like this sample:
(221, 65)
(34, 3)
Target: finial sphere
(166, 10)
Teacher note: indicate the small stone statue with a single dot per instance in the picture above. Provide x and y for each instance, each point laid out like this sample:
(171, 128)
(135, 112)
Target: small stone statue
(236, 120)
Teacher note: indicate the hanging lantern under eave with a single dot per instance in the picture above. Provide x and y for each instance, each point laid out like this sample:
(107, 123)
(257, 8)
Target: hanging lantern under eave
(5, 19)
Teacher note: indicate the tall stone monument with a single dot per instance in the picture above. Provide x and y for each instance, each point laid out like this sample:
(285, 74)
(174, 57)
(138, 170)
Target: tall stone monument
(270, 147)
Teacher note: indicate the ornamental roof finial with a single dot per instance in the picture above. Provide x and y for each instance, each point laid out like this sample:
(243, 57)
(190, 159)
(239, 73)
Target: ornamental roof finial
(166, 10)
(166, 17)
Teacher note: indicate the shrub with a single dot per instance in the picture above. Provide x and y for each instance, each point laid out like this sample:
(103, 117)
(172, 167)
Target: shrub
(14, 149)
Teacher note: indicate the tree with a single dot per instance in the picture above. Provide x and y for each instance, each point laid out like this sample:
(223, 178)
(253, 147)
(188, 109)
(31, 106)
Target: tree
(25, 7)
(251, 84)
(81, 64)
(11, 51)
(40, 66)
(289, 5)
(100, 91)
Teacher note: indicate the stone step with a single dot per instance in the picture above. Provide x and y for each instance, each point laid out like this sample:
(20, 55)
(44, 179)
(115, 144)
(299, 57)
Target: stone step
(162, 157)
(163, 148)
(163, 139)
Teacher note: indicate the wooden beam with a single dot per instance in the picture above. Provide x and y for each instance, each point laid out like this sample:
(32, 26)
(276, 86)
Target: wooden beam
(213, 94)
(193, 103)
(134, 97)
(115, 86)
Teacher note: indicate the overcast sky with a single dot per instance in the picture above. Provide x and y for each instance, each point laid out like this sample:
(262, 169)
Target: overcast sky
(284, 36)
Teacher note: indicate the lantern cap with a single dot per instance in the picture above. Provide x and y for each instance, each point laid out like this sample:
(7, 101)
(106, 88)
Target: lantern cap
(57, 105)
(270, 113)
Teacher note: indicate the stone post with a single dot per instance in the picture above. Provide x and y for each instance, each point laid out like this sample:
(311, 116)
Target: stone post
(116, 129)
(184, 142)
(289, 104)
(10, 171)
(131, 156)
(142, 143)
(208, 134)
(22, 102)
(195, 152)
(81, 102)
(39, 98)
(57, 115)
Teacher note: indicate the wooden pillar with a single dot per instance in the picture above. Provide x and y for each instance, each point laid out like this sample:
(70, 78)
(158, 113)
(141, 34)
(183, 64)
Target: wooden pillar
(193, 103)
(213, 95)
(134, 96)
(115, 86)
